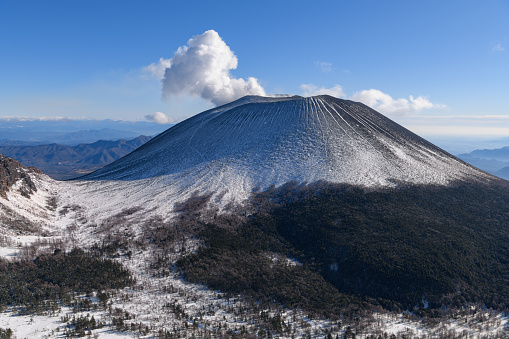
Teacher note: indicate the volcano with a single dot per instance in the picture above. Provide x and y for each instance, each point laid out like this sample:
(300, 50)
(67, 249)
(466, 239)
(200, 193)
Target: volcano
(315, 204)
(259, 141)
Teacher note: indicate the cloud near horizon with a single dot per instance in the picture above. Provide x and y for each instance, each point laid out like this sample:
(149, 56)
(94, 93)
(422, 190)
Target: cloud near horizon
(375, 99)
(384, 103)
(202, 68)
(160, 118)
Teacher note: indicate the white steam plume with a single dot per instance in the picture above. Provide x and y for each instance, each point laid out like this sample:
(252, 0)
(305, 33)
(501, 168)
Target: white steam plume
(202, 68)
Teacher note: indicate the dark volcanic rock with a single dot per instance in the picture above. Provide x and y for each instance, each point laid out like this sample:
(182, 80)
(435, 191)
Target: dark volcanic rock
(11, 171)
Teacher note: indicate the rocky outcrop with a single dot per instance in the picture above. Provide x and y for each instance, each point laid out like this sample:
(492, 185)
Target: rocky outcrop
(12, 171)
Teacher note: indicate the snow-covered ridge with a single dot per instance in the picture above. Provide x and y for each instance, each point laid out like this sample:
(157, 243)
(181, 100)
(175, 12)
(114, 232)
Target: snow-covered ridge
(256, 142)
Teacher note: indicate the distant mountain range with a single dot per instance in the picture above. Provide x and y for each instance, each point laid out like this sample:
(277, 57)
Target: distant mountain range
(72, 132)
(66, 162)
(494, 161)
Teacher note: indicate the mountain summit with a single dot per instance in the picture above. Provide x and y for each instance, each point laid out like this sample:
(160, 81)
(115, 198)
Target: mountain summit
(260, 141)
(252, 144)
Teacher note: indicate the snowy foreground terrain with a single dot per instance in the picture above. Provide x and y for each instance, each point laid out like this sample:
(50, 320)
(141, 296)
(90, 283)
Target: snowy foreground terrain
(229, 152)
(149, 302)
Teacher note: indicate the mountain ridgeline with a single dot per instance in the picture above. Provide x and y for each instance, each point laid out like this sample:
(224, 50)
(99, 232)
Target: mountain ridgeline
(494, 161)
(65, 162)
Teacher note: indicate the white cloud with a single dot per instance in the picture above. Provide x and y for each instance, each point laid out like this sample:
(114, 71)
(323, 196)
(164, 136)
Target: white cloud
(498, 48)
(157, 68)
(384, 103)
(375, 99)
(159, 117)
(202, 68)
(309, 90)
(325, 67)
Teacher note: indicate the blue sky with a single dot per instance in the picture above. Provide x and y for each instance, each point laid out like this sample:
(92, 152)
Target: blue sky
(437, 67)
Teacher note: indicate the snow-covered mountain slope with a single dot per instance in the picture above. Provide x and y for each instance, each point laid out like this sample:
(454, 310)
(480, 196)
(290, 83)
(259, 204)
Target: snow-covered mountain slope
(256, 142)
(276, 140)
(25, 197)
